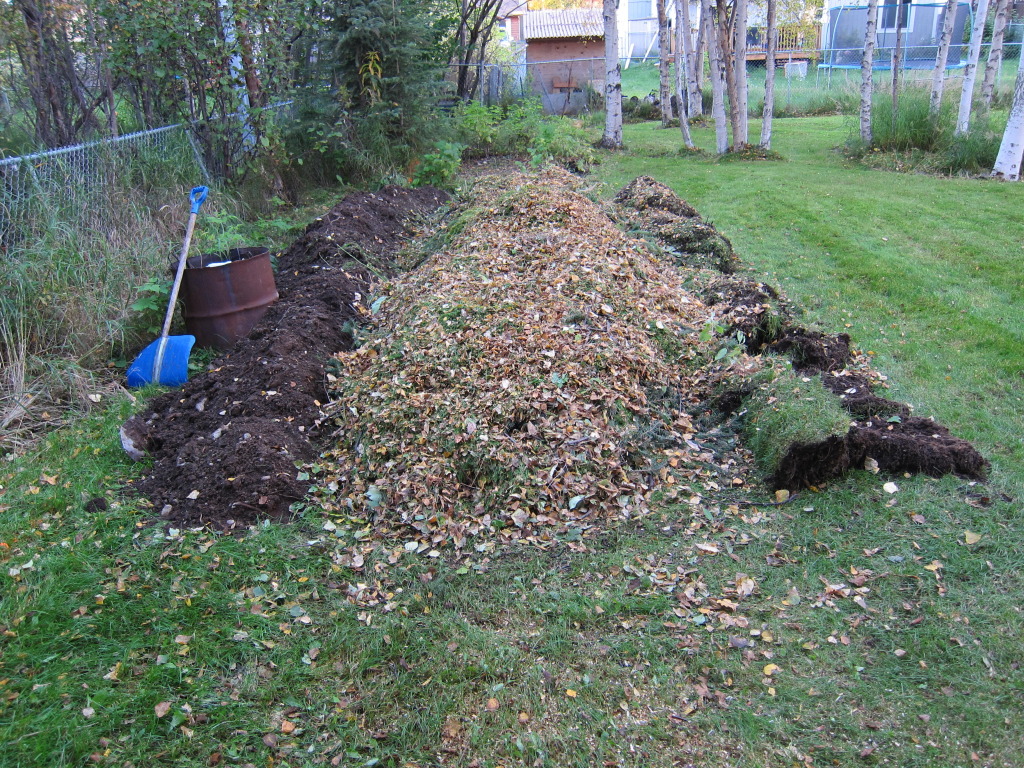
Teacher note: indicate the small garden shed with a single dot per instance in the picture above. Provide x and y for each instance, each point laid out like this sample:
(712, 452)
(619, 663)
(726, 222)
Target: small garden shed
(565, 56)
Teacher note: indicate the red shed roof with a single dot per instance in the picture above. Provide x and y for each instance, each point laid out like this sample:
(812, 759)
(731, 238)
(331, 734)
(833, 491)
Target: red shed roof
(568, 23)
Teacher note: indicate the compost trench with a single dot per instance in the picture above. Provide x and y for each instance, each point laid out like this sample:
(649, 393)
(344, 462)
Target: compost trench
(226, 445)
(227, 448)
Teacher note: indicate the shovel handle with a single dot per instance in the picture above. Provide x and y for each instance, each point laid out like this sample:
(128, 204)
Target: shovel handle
(196, 198)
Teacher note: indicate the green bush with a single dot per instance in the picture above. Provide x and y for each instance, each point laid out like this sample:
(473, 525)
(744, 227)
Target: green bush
(523, 129)
(439, 167)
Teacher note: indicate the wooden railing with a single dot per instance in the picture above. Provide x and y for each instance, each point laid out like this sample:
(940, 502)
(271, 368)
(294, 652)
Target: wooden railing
(794, 42)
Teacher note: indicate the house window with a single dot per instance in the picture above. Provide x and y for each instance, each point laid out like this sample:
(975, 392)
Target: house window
(640, 9)
(889, 13)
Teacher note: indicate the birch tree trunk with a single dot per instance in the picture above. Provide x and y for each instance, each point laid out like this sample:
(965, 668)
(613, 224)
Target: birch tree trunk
(664, 80)
(941, 57)
(897, 61)
(682, 66)
(727, 60)
(684, 39)
(698, 58)
(612, 138)
(1011, 148)
(867, 71)
(769, 78)
(963, 117)
(739, 58)
(717, 79)
(995, 53)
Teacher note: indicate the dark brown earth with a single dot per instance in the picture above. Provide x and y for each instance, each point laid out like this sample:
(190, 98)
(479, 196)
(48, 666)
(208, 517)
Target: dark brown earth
(225, 446)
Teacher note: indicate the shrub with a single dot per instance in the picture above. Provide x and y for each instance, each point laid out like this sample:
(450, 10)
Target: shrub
(439, 167)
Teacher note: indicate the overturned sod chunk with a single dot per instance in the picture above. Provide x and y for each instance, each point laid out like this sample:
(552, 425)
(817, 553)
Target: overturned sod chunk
(516, 385)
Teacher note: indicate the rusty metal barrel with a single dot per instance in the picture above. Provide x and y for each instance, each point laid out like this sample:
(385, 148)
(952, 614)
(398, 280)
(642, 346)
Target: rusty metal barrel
(226, 293)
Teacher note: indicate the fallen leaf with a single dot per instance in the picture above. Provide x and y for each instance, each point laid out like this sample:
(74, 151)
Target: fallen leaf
(971, 538)
(781, 496)
(524, 718)
(770, 669)
(890, 487)
(287, 726)
(570, 693)
(162, 708)
(492, 704)
(88, 712)
(899, 653)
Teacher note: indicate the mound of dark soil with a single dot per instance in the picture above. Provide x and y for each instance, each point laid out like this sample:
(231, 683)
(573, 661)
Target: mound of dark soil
(915, 445)
(814, 352)
(225, 446)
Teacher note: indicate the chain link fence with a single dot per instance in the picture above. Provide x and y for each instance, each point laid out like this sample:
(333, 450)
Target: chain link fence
(35, 187)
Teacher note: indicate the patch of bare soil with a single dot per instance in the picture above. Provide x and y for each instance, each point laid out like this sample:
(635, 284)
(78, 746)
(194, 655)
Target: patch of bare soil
(225, 446)
(883, 432)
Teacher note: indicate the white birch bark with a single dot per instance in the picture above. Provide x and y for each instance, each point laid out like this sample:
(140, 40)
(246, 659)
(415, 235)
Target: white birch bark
(963, 117)
(682, 67)
(1011, 149)
(699, 54)
(769, 78)
(717, 80)
(897, 60)
(612, 138)
(664, 87)
(867, 71)
(739, 48)
(941, 57)
(684, 39)
(995, 53)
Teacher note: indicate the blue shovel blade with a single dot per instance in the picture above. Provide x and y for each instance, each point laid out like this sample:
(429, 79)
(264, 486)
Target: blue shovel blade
(164, 361)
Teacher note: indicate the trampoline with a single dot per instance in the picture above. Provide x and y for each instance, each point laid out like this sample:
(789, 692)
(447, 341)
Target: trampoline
(921, 27)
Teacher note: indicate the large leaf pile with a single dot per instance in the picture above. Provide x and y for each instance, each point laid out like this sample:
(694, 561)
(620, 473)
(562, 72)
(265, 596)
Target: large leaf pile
(524, 383)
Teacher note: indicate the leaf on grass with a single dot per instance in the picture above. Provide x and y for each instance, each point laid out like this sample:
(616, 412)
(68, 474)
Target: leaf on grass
(492, 704)
(570, 693)
(162, 708)
(971, 538)
(890, 487)
(770, 669)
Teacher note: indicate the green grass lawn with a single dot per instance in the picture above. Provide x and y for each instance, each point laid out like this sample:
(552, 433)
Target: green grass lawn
(870, 628)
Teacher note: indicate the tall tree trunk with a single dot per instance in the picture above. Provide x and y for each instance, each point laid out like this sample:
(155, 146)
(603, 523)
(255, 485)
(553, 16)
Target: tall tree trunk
(897, 60)
(664, 79)
(717, 79)
(769, 77)
(612, 138)
(698, 57)
(739, 48)
(963, 117)
(1011, 149)
(693, 64)
(995, 53)
(941, 57)
(867, 63)
(727, 60)
(682, 67)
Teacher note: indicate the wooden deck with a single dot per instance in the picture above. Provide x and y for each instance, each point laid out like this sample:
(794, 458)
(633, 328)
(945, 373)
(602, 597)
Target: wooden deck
(795, 44)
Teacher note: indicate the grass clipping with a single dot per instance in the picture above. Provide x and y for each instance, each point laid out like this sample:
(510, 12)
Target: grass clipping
(523, 384)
